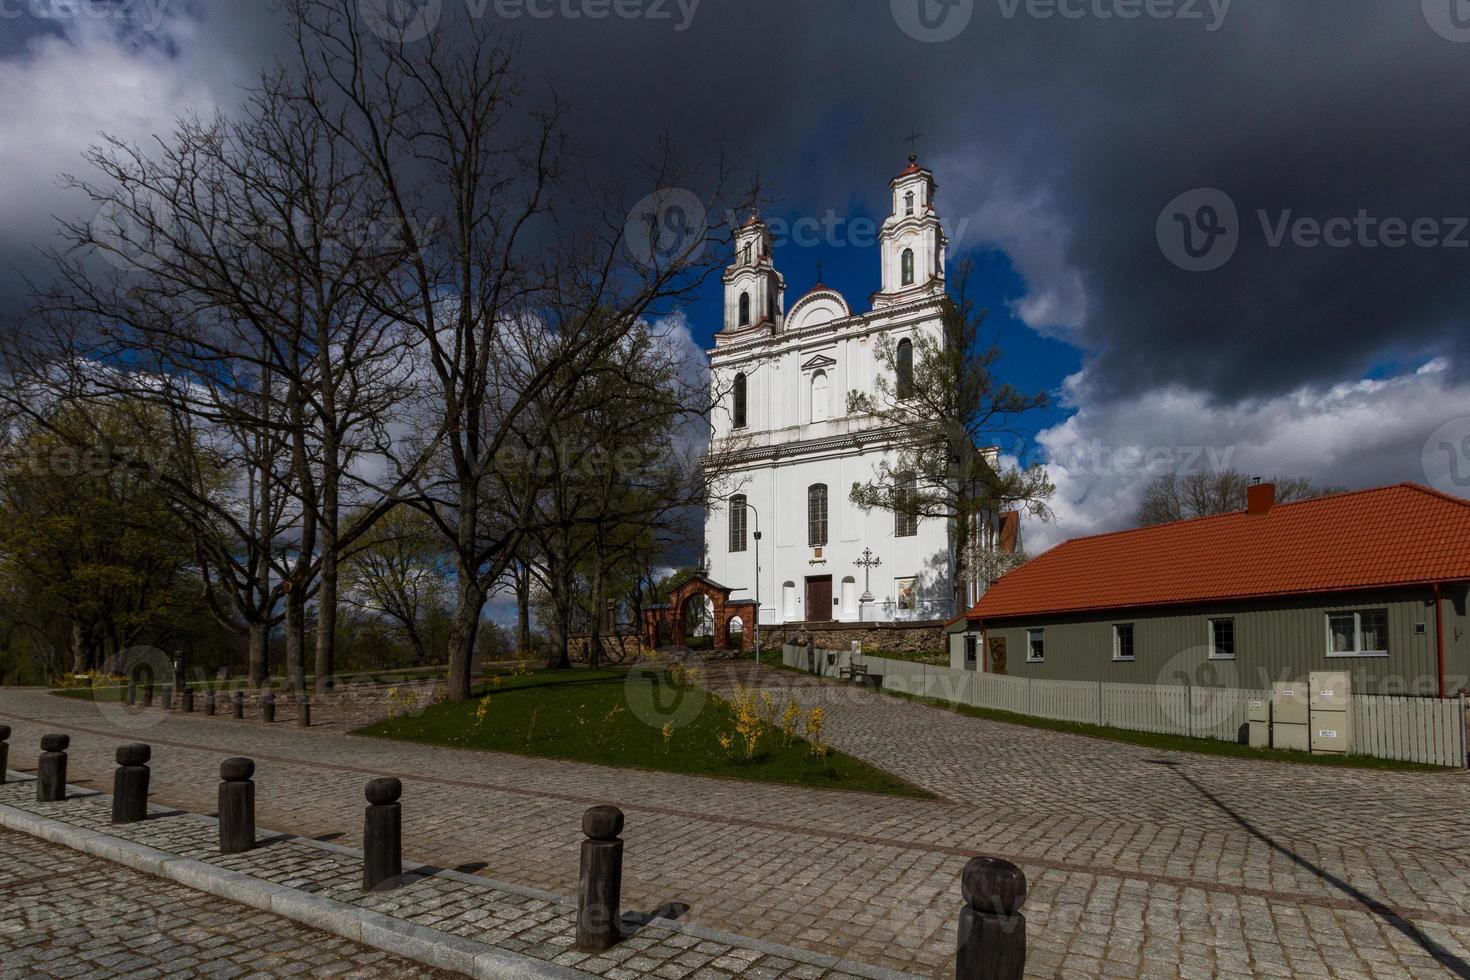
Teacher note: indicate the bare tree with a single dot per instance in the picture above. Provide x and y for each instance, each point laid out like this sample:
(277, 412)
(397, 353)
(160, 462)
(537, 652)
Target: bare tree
(1175, 497)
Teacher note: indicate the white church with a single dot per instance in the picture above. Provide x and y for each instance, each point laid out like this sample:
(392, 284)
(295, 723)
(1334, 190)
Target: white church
(785, 533)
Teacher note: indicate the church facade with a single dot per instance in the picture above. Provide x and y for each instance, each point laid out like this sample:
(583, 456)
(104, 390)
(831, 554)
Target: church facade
(789, 451)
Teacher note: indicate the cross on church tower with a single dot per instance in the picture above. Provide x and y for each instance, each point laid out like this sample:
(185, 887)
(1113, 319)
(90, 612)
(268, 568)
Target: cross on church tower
(819, 272)
(913, 141)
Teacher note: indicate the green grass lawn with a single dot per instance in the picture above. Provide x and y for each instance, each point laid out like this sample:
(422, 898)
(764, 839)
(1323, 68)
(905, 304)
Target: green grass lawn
(610, 717)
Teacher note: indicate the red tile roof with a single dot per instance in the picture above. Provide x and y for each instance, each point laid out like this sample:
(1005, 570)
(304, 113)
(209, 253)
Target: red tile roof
(1393, 536)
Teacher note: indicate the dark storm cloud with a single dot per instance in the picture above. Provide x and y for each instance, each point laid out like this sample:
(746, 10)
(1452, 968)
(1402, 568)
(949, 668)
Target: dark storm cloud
(1320, 108)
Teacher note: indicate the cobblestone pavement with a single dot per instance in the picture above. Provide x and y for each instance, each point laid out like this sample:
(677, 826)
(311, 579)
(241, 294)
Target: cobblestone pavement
(525, 923)
(1141, 863)
(71, 915)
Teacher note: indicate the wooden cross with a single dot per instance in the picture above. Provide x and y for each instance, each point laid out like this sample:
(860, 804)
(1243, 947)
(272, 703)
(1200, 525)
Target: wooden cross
(913, 141)
(819, 272)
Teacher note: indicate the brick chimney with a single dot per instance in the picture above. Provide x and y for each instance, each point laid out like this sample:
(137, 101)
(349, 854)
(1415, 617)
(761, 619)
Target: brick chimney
(1260, 498)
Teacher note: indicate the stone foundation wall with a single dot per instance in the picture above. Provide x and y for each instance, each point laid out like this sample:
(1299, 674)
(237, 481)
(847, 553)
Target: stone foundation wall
(899, 637)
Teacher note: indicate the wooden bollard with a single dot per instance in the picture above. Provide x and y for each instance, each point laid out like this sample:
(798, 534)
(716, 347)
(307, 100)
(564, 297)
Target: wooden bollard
(130, 784)
(236, 806)
(188, 698)
(600, 883)
(382, 834)
(992, 936)
(209, 702)
(4, 751)
(132, 691)
(51, 771)
(168, 697)
(303, 711)
(237, 701)
(148, 695)
(268, 706)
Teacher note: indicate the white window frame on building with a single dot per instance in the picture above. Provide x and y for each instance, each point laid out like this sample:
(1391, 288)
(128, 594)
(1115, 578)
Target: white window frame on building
(1216, 650)
(1359, 649)
(738, 516)
(1036, 646)
(1120, 630)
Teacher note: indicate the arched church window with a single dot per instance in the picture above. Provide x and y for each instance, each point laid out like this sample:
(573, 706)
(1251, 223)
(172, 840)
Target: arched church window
(820, 411)
(816, 515)
(745, 309)
(904, 368)
(740, 401)
(908, 267)
(737, 523)
(747, 254)
(908, 203)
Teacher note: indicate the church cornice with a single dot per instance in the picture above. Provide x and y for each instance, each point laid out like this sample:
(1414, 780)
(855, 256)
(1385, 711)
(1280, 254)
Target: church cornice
(855, 442)
(918, 308)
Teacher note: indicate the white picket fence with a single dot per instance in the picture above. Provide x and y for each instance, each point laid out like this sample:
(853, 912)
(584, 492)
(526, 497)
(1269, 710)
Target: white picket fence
(1426, 730)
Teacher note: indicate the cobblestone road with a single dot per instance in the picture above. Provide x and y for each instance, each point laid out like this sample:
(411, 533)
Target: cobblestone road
(68, 914)
(1141, 863)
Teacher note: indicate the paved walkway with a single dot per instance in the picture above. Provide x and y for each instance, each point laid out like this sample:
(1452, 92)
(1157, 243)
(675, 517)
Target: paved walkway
(1141, 863)
(69, 915)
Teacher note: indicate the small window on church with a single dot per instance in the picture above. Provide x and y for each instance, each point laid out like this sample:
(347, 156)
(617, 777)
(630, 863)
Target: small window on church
(747, 254)
(819, 397)
(908, 266)
(745, 309)
(908, 203)
(904, 368)
(740, 401)
(905, 506)
(816, 515)
(737, 523)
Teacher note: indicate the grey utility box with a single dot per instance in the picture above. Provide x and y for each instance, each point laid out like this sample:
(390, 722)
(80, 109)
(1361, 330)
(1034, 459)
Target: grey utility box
(1260, 719)
(1289, 716)
(1332, 712)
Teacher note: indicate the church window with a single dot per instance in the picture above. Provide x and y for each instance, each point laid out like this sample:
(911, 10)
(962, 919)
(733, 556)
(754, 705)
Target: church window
(737, 523)
(819, 397)
(908, 203)
(904, 368)
(747, 254)
(740, 401)
(908, 267)
(905, 506)
(816, 515)
(745, 309)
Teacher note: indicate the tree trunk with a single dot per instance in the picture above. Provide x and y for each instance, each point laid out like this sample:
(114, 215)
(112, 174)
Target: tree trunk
(258, 653)
(326, 622)
(463, 629)
(523, 610)
(78, 649)
(296, 640)
(561, 604)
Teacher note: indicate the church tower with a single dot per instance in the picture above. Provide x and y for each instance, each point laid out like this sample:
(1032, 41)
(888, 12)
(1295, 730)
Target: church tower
(755, 293)
(912, 240)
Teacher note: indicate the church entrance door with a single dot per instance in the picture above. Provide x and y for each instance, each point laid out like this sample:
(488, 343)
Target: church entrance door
(819, 598)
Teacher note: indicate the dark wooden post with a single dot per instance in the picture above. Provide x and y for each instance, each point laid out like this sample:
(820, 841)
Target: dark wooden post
(237, 701)
(51, 772)
(382, 834)
(236, 806)
(188, 697)
(148, 694)
(600, 883)
(168, 697)
(268, 706)
(130, 784)
(209, 702)
(303, 711)
(992, 936)
(132, 691)
(4, 751)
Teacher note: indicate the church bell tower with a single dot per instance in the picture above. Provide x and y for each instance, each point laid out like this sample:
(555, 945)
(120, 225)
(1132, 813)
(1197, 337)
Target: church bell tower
(755, 293)
(912, 240)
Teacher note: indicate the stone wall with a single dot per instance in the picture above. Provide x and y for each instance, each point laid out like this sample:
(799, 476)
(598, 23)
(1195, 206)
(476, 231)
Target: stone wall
(898, 637)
